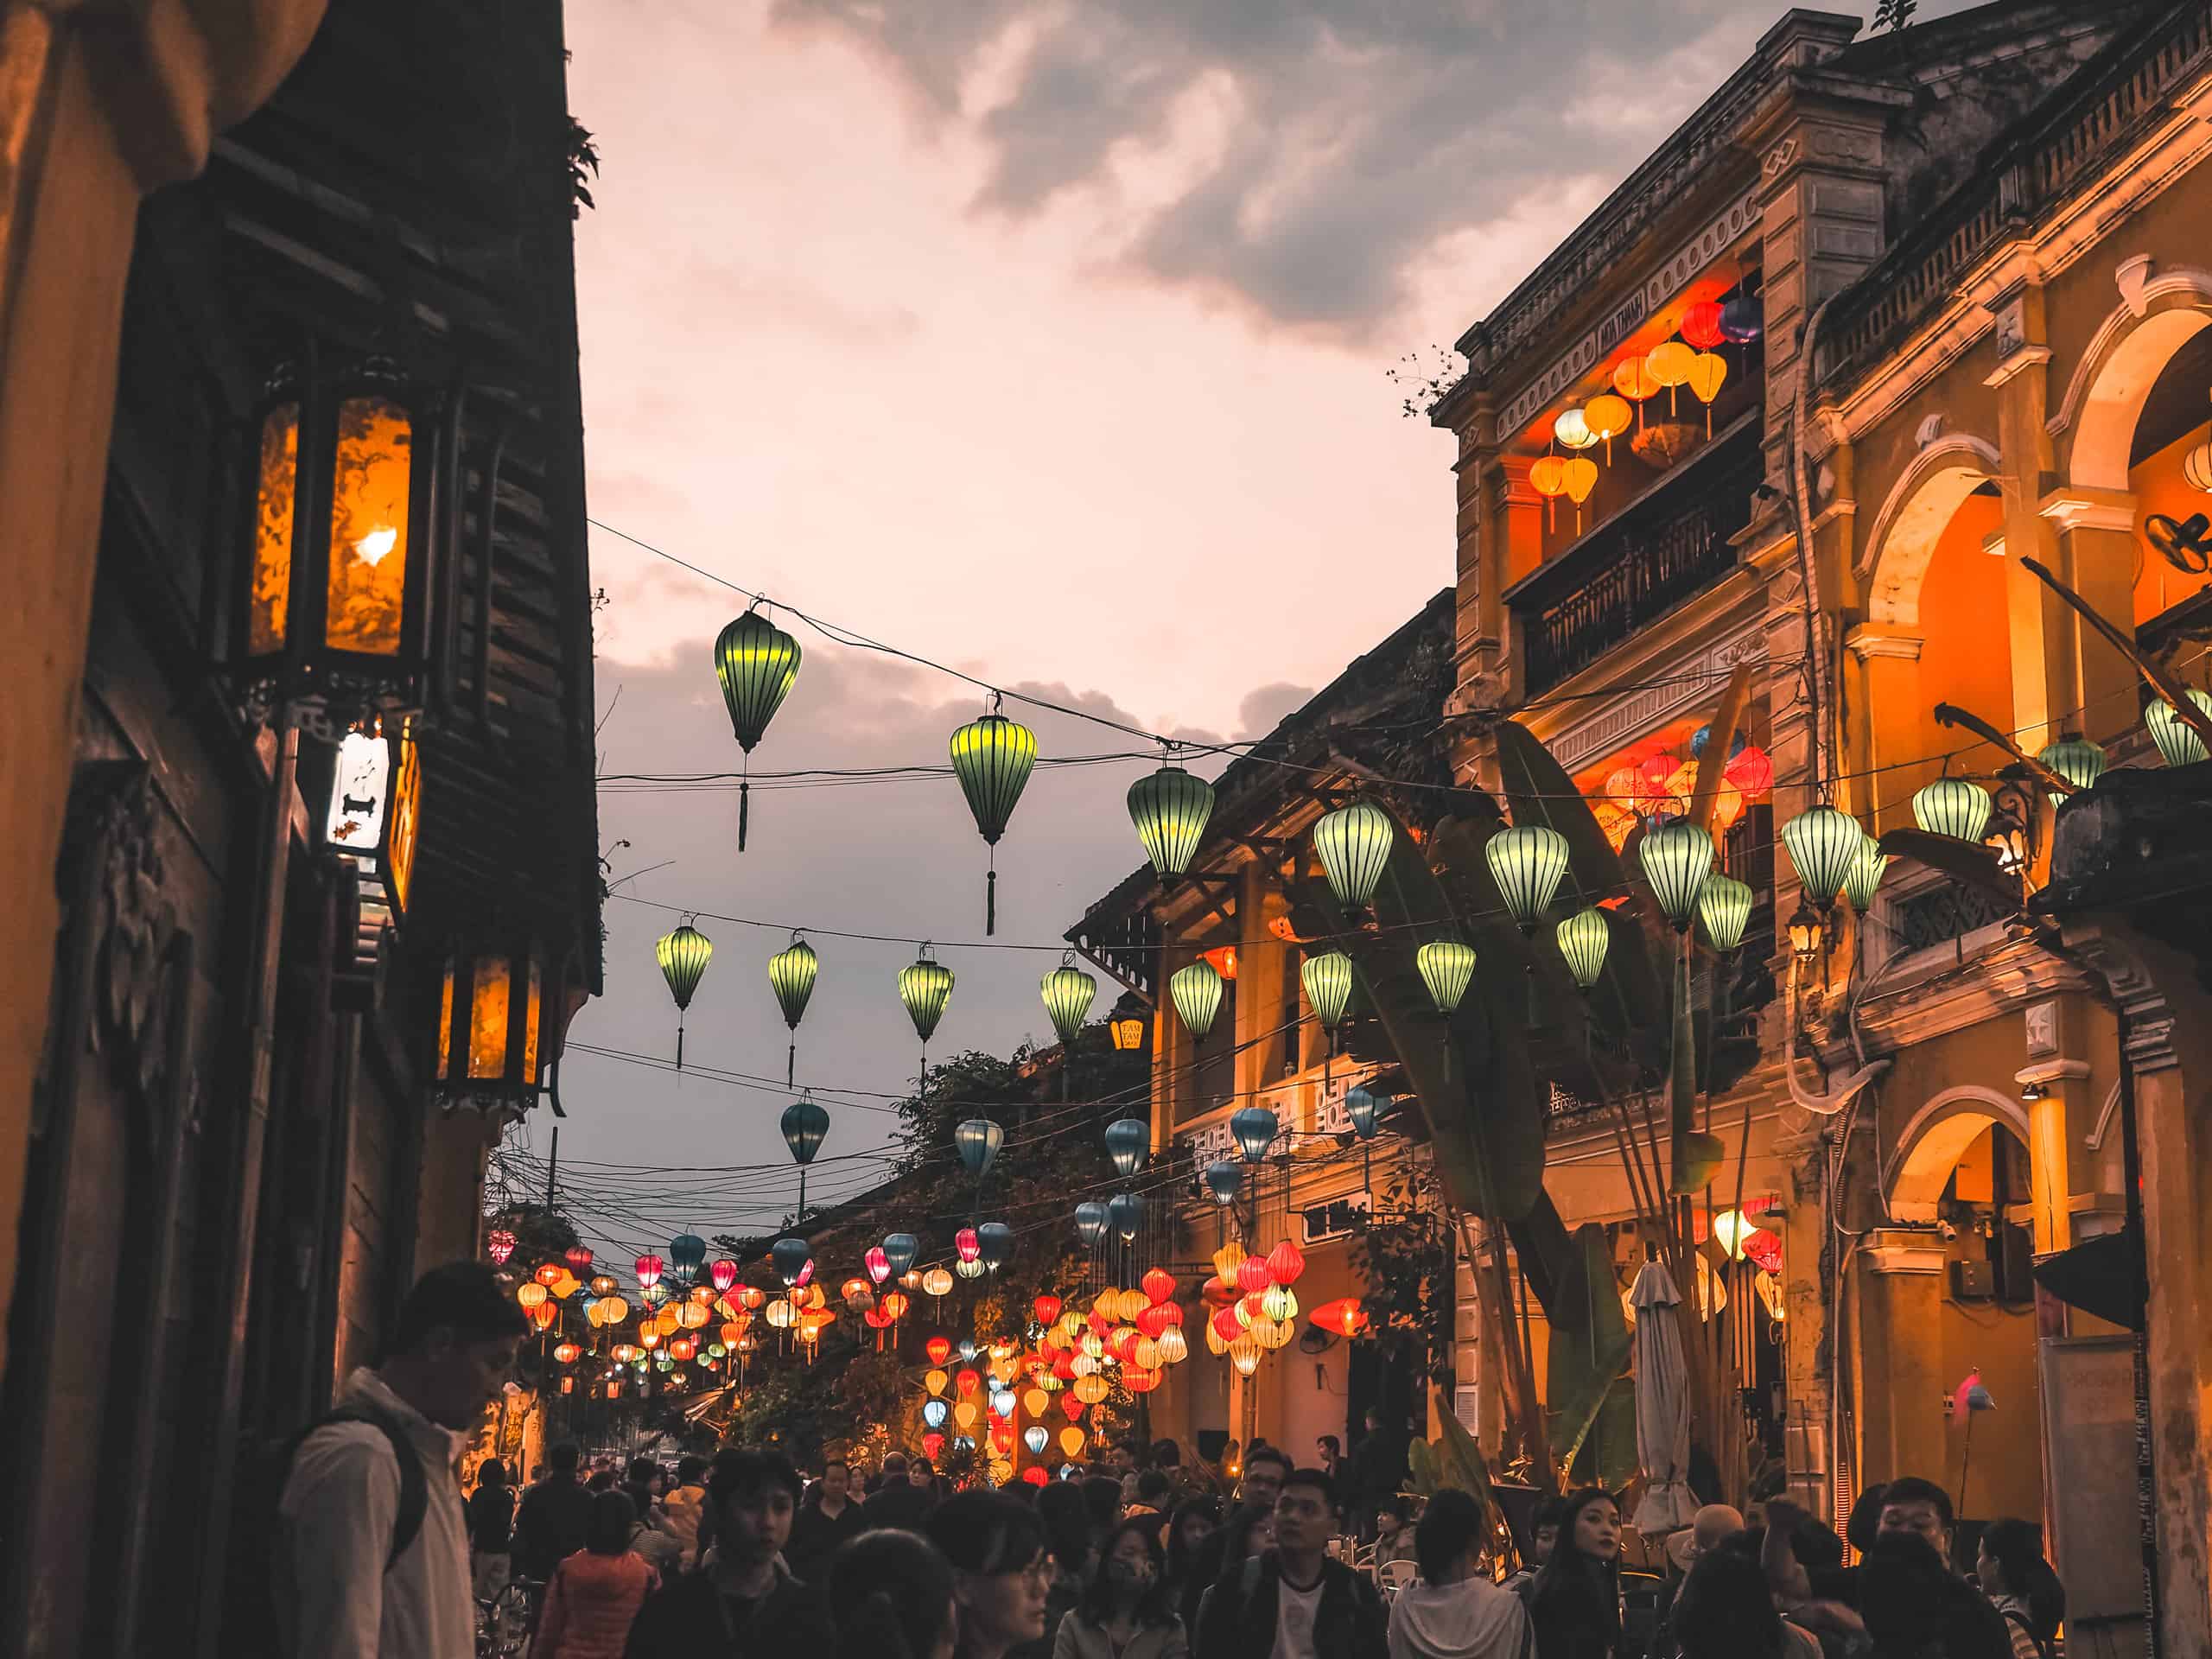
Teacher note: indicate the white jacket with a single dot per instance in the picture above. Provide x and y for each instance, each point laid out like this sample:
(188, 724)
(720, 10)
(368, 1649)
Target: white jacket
(334, 1525)
(1471, 1620)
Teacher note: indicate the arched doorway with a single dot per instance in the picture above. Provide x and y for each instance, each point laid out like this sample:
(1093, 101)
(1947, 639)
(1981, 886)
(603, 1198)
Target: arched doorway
(1961, 1176)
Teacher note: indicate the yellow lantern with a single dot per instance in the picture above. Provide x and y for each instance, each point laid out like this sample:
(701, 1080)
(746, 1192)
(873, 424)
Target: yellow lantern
(1227, 1259)
(649, 1338)
(1272, 1334)
(531, 1294)
(1145, 1354)
(1670, 366)
(1084, 1364)
(667, 1320)
(1216, 1345)
(781, 1314)
(1090, 1389)
(494, 1016)
(1173, 1350)
(966, 1413)
(1072, 1440)
(615, 1309)
(1278, 1303)
(1709, 370)
(1071, 1326)
(1607, 417)
(935, 1382)
(1036, 1402)
(1244, 1354)
(1581, 479)
(1092, 1344)
(692, 1316)
(937, 1281)
(1001, 1471)
(1548, 477)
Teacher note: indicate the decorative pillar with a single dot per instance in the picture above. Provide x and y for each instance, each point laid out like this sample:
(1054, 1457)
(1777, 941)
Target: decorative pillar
(1884, 731)
(1901, 1385)
(2097, 550)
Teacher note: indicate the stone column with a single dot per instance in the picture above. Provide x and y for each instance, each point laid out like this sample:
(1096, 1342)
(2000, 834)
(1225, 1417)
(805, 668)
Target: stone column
(1899, 1296)
(1887, 669)
(104, 100)
(2096, 554)
(1259, 987)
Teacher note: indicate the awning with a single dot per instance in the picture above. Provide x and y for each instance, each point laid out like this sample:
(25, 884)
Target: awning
(2096, 1276)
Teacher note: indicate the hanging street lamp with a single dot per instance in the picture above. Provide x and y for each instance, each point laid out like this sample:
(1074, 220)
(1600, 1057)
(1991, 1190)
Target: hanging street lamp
(684, 955)
(498, 1027)
(1196, 991)
(804, 1124)
(376, 809)
(925, 987)
(992, 757)
(1354, 843)
(1127, 1024)
(332, 625)
(1677, 857)
(757, 663)
(1170, 810)
(791, 973)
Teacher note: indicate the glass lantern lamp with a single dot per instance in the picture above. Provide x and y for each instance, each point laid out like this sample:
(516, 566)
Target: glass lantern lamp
(376, 807)
(331, 623)
(497, 1029)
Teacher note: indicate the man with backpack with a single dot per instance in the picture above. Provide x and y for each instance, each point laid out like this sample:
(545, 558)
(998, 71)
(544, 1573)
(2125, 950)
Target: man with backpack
(370, 1557)
(554, 1515)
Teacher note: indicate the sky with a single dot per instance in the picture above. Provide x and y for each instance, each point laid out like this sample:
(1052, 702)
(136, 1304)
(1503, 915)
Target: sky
(1048, 340)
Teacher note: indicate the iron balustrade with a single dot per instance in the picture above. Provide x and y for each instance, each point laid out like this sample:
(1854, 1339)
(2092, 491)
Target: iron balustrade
(1668, 547)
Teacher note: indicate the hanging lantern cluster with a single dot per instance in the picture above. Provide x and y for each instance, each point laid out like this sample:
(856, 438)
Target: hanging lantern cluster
(1663, 785)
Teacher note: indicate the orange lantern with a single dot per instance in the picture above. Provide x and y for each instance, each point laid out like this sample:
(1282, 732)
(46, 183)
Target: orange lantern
(1607, 417)
(1345, 1316)
(544, 1314)
(1159, 1286)
(1548, 477)
(1670, 367)
(1708, 371)
(1581, 478)
(566, 1353)
(1632, 379)
(894, 1304)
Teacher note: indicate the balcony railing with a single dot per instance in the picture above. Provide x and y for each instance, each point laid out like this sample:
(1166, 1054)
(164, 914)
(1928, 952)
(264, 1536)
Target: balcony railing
(1671, 545)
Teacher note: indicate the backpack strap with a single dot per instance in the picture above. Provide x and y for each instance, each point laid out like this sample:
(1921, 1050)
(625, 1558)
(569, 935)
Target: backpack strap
(414, 1485)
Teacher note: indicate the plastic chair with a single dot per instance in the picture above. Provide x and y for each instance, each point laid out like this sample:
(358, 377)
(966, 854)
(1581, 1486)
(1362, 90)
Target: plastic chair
(1394, 1576)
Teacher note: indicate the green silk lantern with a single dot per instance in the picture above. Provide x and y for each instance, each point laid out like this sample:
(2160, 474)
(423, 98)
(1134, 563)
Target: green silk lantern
(757, 662)
(1327, 980)
(993, 757)
(1447, 968)
(1953, 807)
(1584, 938)
(1170, 810)
(1068, 994)
(1821, 842)
(1677, 858)
(684, 955)
(1866, 875)
(1354, 842)
(925, 986)
(804, 1124)
(791, 976)
(2178, 743)
(2076, 760)
(1196, 991)
(1725, 907)
(1528, 862)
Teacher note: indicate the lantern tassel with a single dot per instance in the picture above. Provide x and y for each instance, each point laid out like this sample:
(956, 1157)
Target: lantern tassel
(679, 1042)
(991, 899)
(791, 1062)
(744, 803)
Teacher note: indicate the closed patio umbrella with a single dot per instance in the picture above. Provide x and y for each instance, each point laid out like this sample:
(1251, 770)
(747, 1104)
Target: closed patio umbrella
(1662, 1406)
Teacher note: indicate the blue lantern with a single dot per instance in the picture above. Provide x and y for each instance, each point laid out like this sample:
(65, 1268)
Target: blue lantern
(1091, 1223)
(1222, 1179)
(1254, 1129)
(1036, 1439)
(790, 1256)
(1128, 1140)
(1364, 1107)
(934, 1411)
(996, 1239)
(967, 1349)
(687, 1254)
(1125, 1214)
(1699, 739)
(978, 1140)
(900, 1249)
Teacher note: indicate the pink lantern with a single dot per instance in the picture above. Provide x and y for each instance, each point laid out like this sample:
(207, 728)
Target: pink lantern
(723, 1272)
(967, 1246)
(649, 1268)
(501, 1245)
(878, 1264)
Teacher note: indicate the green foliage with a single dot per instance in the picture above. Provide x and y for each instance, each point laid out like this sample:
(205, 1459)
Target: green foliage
(1405, 1266)
(1894, 14)
(1589, 1342)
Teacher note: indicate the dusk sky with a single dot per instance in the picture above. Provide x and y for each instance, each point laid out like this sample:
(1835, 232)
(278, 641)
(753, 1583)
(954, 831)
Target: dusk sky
(1046, 341)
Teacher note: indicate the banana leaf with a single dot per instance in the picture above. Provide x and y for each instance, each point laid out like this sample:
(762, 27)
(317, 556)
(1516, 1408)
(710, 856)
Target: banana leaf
(1607, 1457)
(1693, 1154)
(1589, 1341)
(1465, 1460)
(1484, 1118)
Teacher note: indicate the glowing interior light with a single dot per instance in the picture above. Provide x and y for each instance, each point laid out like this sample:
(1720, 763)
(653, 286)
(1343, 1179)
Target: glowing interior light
(372, 547)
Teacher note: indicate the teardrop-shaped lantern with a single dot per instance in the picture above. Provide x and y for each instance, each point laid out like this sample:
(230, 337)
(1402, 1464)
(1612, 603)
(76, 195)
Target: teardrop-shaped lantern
(687, 1254)
(1528, 862)
(978, 1140)
(1709, 373)
(1327, 980)
(1821, 842)
(1354, 842)
(1253, 1128)
(1128, 1142)
(757, 662)
(1068, 994)
(1725, 907)
(1669, 363)
(925, 986)
(1222, 1177)
(1584, 938)
(2178, 743)
(994, 1243)
(2076, 760)
(791, 973)
(1170, 810)
(804, 1123)
(1677, 857)
(902, 1249)
(792, 1258)
(684, 955)
(992, 757)
(1125, 1215)
(1866, 875)
(1364, 1107)
(1196, 991)
(1953, 807)
(1447, 968)
(1090, 1222)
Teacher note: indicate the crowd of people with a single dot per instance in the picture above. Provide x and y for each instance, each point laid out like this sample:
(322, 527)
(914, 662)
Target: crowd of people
(376, 1553)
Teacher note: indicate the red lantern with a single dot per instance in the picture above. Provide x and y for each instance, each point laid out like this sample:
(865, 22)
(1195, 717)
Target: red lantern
(1701, 325)
(877, 1318)
(1217, 1291)
(500, 1243)
(1137, 1380)
(1158, 1285)
(1046, 1308)
(1285, 1262)
(1226, 1324)
(1154, 1319)
(649, 1268)
(938, 1349)
(1751, 770)
(1122, 1344)
(1035, 1475)
(1252, 1274)
(723, 1272)
(967, 1245)
(1345, 1316)
(932, 1445)
(1763, 1249)
(1064, 1365)
(1072, 1408)
(967, 1381)
(682, 1348)
(579, 1260)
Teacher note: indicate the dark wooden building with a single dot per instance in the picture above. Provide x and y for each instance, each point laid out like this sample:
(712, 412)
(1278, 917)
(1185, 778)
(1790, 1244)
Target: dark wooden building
(251, 1129)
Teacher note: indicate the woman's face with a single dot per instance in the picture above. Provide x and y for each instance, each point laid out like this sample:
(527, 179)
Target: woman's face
(1006, 1607)
(1196, 1528)
(1597, 1528)
(1988, 1573)
(1130, 1560)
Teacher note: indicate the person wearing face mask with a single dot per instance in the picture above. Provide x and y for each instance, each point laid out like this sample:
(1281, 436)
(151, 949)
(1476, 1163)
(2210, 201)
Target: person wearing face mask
(1001, 1570)
(1125, 1612)
(1575, 1601)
